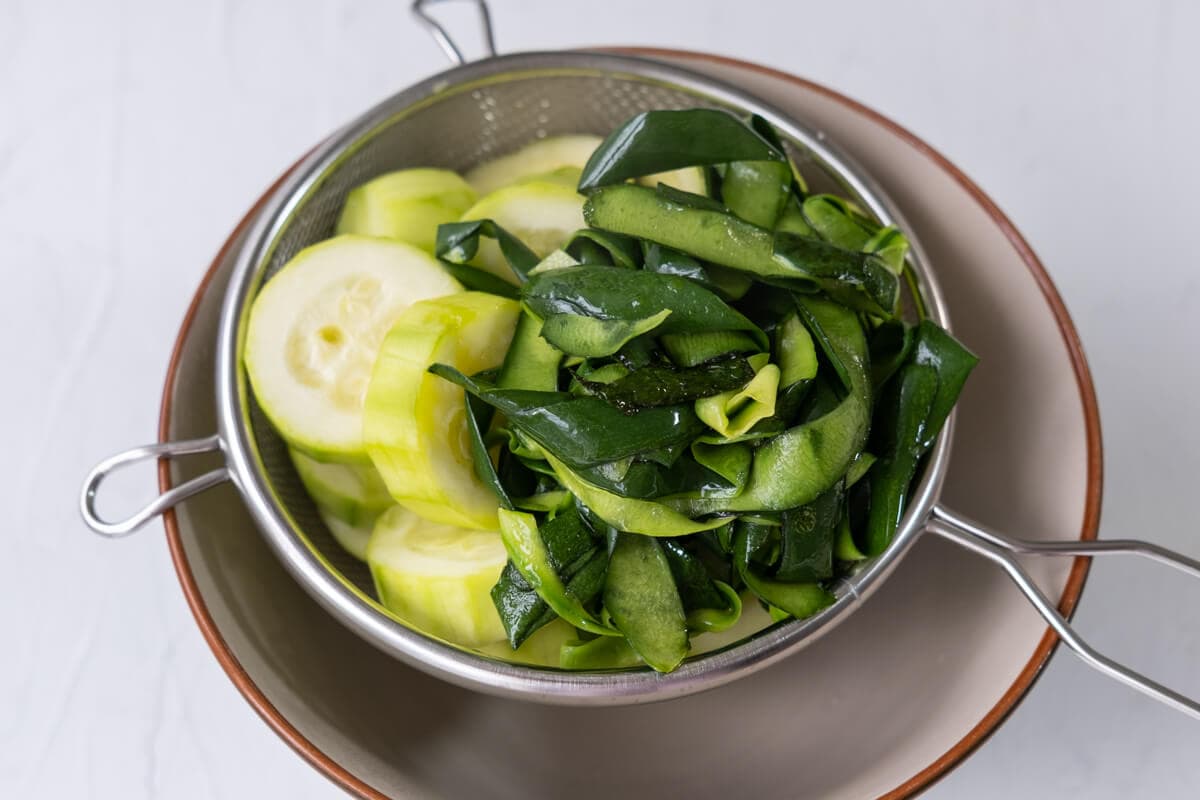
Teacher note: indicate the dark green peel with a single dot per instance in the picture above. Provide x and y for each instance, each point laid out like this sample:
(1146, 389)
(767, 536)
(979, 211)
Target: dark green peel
(935, 347)
(911, 415)
(891, 345)
(906, 412)
(479, 416)
(697, 589)
(800, 599)
(837, 222)
(807, 536)
(838, 269)
(660, 141)
(687, 406)
(615, 295)
(713, 234)
(590, 246)
(480, 280)
(528, 551)
(582, 431)
(640, 594)
(654, 387)
(458, 242)
(757, 191)
(729, 284)
(647, 480)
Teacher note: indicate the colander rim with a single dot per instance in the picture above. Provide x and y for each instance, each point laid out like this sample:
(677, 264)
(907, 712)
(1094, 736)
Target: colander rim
(447, 661)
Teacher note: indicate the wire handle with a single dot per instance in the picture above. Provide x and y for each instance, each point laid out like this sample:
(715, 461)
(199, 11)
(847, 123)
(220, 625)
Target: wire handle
(443, 39)
(166, 500)
(1000, 549)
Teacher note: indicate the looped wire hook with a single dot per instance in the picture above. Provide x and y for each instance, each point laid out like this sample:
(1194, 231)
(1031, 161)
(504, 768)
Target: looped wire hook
(442, 37)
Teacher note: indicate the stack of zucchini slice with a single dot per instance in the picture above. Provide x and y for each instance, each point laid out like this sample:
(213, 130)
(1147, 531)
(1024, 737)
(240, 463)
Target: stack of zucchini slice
(596, 398)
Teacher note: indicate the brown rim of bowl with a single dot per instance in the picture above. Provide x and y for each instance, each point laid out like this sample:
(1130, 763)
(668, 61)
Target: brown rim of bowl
(917, 783)
(191, 592)
(1087, 392)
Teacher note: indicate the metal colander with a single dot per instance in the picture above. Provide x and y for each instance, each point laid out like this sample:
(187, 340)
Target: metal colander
(456, 120)
(493, 108)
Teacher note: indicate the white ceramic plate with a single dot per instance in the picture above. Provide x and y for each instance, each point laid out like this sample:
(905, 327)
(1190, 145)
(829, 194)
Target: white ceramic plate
(890, 700)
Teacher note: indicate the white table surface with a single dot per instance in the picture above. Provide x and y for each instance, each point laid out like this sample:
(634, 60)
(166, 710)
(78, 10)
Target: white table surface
(133, 134)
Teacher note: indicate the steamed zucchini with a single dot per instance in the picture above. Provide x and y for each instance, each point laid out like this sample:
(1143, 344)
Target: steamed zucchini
(437, 577)
(352, 536)
(541, 213)
(315, 329)
(414, 423)
(544, 155)
(353, 493)
(407, 205)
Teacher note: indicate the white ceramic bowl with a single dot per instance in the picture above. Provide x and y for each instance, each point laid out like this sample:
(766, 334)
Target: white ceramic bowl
(897, 695)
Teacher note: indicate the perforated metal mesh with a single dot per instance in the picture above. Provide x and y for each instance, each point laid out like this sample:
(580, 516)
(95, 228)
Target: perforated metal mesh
(458, 128)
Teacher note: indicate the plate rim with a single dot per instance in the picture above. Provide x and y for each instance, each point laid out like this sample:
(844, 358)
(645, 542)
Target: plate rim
(941, 766)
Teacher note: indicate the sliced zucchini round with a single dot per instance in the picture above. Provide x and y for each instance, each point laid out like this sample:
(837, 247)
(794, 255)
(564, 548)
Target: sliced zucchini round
(414, 423)
(352, 536)
(544, 155)
(354, 493)
(686, 179)
(316, 327)
(541, 213)
(438, 577)
(407, 205)
(567, 176)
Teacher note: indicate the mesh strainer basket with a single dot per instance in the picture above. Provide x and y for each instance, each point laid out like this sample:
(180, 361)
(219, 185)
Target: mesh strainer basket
(455, 120)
